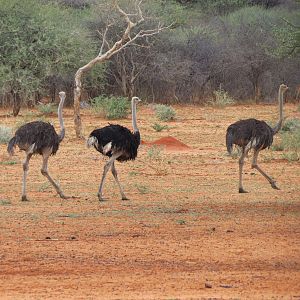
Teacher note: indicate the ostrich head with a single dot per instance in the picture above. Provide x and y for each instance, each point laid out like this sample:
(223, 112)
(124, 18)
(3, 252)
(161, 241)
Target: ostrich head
(283, 88)
(136, 100)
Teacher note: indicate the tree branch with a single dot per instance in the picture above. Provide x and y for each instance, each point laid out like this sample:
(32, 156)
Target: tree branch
(123, 42)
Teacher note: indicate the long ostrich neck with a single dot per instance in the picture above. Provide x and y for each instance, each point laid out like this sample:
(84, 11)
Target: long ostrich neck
(279, 124)
(61, 135)
(133, 111)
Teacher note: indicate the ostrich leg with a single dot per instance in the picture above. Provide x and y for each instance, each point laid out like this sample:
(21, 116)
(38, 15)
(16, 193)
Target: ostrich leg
(255, 166)
(115, 174)
(241, 164)
(44, 171)
(25, 170)
(105, 170)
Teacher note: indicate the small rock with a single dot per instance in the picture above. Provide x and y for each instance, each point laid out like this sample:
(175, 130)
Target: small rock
(208, 285)
(226, 286)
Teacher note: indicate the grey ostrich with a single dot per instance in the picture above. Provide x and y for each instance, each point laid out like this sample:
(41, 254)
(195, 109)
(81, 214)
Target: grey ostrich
(39, 138)
(118, 143)
(254, 134)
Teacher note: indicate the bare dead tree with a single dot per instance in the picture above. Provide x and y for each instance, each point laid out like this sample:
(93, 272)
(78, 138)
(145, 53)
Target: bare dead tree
(125, 40)
(126, 69)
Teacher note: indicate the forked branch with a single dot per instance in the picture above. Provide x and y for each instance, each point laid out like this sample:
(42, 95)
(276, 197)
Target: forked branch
(123, 42)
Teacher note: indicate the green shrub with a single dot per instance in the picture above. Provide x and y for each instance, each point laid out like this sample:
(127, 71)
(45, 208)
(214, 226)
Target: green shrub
(5, 134)
(46, 109)
(291, 125)
(158, 127)
(165, 112)
(111, 107)
(221, 98)
(290, 142)
(277, 147)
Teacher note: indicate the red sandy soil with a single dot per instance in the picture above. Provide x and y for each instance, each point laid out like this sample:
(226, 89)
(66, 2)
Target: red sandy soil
(169, 143)
(185, 233)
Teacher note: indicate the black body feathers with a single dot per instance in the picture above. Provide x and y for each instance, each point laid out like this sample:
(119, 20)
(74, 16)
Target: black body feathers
(258, 133)
(121, 139)
(42, 134)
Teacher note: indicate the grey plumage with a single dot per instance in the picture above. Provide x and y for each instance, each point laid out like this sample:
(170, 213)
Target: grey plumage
(256, 135)
(39, 138)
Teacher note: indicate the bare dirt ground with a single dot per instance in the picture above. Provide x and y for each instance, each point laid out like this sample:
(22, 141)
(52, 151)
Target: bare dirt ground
(185, 233)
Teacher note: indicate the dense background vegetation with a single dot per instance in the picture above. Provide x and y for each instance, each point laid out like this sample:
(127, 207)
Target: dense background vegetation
(245, 47)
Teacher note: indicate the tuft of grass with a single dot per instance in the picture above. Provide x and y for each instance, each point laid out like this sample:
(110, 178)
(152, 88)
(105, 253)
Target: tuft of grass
(164, 112)
(154, 152)
(5, 134)
(133, 173)
(44, 186)
(4, 202)
(111, 107)
(221, 98)
(8, 163)
(142, 188)
(156, 160)
(181, 222)
(158, 127)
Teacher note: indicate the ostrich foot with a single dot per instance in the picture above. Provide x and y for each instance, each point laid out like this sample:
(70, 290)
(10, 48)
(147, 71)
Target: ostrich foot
(100, 197)
(274, 186)
(241, 190)
(24, 198)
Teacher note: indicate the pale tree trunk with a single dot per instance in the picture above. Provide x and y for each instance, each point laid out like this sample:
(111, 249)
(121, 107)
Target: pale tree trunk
(125, 40)
(257, 94)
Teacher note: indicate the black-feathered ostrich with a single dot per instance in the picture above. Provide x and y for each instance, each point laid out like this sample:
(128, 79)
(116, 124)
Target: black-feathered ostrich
(254, 134)
(118, 143)
(39, 138)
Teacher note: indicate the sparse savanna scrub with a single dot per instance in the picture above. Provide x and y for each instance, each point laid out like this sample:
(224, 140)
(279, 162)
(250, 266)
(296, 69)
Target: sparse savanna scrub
(242, 46)
(186, 232)
(180, 201)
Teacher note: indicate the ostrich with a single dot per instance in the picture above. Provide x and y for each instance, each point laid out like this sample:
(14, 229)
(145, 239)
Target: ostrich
(118, 143)
(39, 138)
(254, 134)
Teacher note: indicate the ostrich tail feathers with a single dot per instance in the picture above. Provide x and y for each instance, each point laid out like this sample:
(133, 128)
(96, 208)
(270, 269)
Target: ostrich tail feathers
(92, 141)
(229, 141)
(11, 145)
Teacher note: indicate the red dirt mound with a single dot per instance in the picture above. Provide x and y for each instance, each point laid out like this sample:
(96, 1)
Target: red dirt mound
(169, 143)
